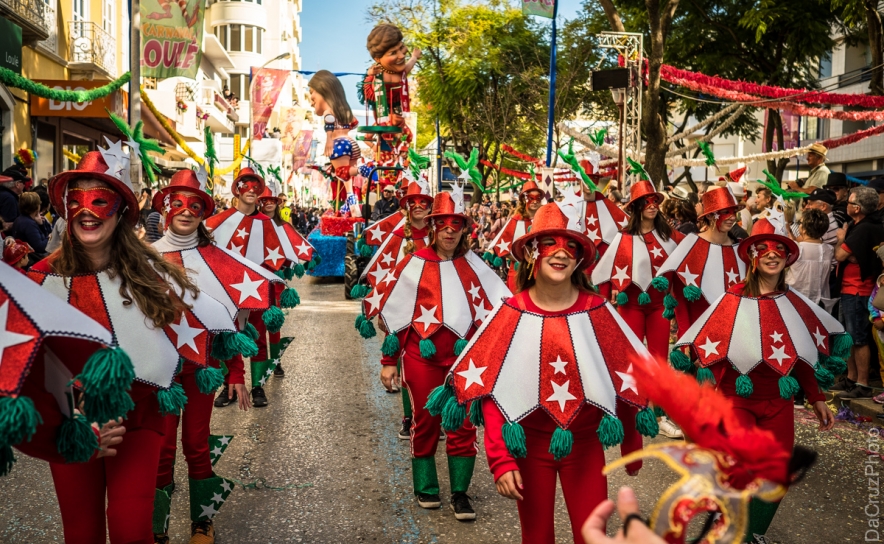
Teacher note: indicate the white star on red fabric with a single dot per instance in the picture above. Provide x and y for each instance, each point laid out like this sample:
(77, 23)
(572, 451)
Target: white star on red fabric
(304, 248)
(687, 277)
(474, 290)
(242, 233)
(387, 259)
(503, 246)
(185, 334)
(559, 365)
(732, 277)
(247, 288)
(472, 375)
(273, 255)
(657, 252)
(570, 198)
(480, 312)
(593, 235)
(710, 347)
(628, 380)
(7, 337)
(622, 224)
(561, 394)
(374, 300)
(376, 234)
(378, 273)
(390, 277)
(620, 275)
(776, 337)
(819, 338)
(236, 248)
(779, 354)
(591, 220)
(428, 317)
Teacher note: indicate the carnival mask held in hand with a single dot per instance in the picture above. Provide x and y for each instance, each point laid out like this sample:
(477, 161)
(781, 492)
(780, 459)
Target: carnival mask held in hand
(178, 203)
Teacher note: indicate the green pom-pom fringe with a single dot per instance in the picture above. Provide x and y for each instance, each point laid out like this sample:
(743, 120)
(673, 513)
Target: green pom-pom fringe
(477, 416)
(391, 347)
(366, 330)
(514, 438)
(76, 440)
(289, 298)
(788, 387)
(18, 420)
(646, 423)
(106, 379)
(360, 319)
(7, 458)
(365, 250)
(228, 344)
(12, 79)
(744, 386)
(610, 431)
(428, 348)
(488, 256)
(680, 361)
(280, 274)
(317, 259)
(298, 270)
(669, 305)
(273, 318)
(835, 365)
(438, 398)
(824, 378)
(561, 442)
(208, 379)
(459, 346)
(359, 291)
(644, 298)
(311, 265)
(704, 375)
(692, 293)
(453, 415)
(841, 346)
(172, 400)
(622, 298)
(660, 283)
(659, 412)
(498, 262)
(251, 332)
(289, 273)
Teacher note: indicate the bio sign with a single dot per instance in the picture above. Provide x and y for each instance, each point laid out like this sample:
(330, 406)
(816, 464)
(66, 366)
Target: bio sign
(171, 38)
(47, 107)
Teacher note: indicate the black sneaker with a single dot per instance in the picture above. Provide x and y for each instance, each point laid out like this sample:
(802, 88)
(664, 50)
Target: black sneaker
(858, 392)
(405, 430)
(202, 531)
(843, 384)
(259, 399)
(224, 399)
(429, 501)
(160, 538)
(463, 510)
(278, 371)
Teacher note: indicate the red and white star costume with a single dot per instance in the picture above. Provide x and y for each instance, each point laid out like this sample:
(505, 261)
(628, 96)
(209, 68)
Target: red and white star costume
(378, 232)
(383, 263)
(512, 230)
(255, 237)
(602, 221)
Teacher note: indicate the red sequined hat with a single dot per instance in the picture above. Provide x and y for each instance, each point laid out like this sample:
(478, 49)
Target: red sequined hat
(642, 188)
(16, 251)
(247, 174)
(268, 195)
(718, 199)
(734, 175)
(550, 221)
(528, 187)
(762, 230)
(414, 193)
(183, 180)
(92, 166)
(443, 205)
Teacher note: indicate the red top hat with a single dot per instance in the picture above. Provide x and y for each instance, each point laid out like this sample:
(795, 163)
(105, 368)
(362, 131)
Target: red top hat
(244, 175)
(550, 221)
(183, 180)
(763, 230)
(92, 166)
(443, 205)
(642, 188)
(528, 187)
(717, 199)
(16, 251)
(414, 193)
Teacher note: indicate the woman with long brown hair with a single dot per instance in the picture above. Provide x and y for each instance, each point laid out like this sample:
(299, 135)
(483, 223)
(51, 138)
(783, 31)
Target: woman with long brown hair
(438, 298)
(530, 200)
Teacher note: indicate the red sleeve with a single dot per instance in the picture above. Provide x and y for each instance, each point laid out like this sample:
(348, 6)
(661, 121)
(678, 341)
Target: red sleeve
(236, 372)
(632, 439)
(804, 374)
(499, 459)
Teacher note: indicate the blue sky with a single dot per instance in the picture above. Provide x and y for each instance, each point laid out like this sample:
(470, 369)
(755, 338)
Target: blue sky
(334, 34)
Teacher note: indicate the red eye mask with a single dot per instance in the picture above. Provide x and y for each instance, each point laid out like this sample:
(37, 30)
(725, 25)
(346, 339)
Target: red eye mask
(178, 203)
(102, 202)
(534, 197)
(723, 216)
(246, 185)
(762, 249)
(418, 203)
(561, 244)
(451, 222)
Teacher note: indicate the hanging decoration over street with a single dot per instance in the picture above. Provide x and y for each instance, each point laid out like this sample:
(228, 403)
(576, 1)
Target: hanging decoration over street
(13, 80)
(171, 38)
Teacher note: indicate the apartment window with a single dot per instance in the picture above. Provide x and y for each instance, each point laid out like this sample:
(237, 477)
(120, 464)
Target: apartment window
(235, 38)
(826, 65)
(238, 84)
(107, 16)
(80, 11)
(239, 38)
(249, 44)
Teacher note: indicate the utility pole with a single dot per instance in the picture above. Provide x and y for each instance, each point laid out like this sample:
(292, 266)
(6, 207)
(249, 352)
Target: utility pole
(135, 87)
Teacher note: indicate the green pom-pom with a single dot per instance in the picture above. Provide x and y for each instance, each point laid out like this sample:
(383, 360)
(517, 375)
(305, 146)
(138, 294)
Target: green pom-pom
(610, 431)
(692, 293)
(428, 348)
(669, 305)
(365, 251)
(644, 298)
(668, 313)
(280, 274)
(317, 258)
(209, 379)
(622, 298)
(360, 319)
(459, 346)
(18, 420)
(514, 438)
(659, 412)
(391, 347)
(788, 387)
(835, 365)
(841, 346)
(298, 269)
(561, 442)
(172, 400)
(646, 423)
(311, 265)
(228, 344)
(744, 386)
(359, 291)
(251, 332)
(824, 378)
(289, 273)
(76, 440)
(438, 398)
(273, 318)
(477, 417)
(680, 361)
(289, 298)
(219, 348)
(498, 262)
(704, 375)
(366, 330)
(488, 256)
(7, 459)
(660, 283)
(453, 415)
(106, 379)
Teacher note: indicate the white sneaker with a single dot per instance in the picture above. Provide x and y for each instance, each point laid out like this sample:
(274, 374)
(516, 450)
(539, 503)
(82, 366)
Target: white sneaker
(669, 429)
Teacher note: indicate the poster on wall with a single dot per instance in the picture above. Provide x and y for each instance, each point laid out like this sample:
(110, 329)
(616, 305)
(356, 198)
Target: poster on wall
(171, 38)
(264, 91)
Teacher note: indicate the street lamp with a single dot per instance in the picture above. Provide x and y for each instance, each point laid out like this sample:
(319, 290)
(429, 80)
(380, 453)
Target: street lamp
(278, 57)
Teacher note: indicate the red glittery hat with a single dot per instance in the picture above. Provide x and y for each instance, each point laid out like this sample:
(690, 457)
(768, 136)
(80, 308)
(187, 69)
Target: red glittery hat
(92, 166)
(642, 188)
(550, 221)
(244, 175)
(718, 199)
(183, 180)
(443, 205)
(763, 230)
(528, 187)
(415, 192)
(16, 251)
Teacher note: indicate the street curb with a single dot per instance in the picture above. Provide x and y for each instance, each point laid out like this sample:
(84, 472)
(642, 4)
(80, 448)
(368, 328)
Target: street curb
(862, 407)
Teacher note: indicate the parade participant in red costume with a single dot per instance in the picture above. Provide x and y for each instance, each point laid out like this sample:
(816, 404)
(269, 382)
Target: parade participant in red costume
(530, 200)
(439, 295)
(762, 342)
(152, 308)
(551, 370)
(250, 233)
(705, 265)
(240, 285)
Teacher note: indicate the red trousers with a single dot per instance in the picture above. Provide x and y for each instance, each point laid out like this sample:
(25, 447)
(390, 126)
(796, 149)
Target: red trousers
(775, 415)
(194, 433)
(583, 485)
(648, 323)
(420, 377)
(256, 320)
(127, 480)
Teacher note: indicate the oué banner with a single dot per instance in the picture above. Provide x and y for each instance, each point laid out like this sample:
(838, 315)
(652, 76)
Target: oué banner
(171, 38)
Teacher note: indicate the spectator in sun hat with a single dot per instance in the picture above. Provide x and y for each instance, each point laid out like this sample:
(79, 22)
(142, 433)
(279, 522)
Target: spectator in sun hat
(837, 183)
(819, 172)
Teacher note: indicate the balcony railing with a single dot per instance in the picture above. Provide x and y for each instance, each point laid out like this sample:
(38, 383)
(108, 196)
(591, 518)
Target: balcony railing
(860, 75)
(29, 15)
(51, 43)
(90, 44)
